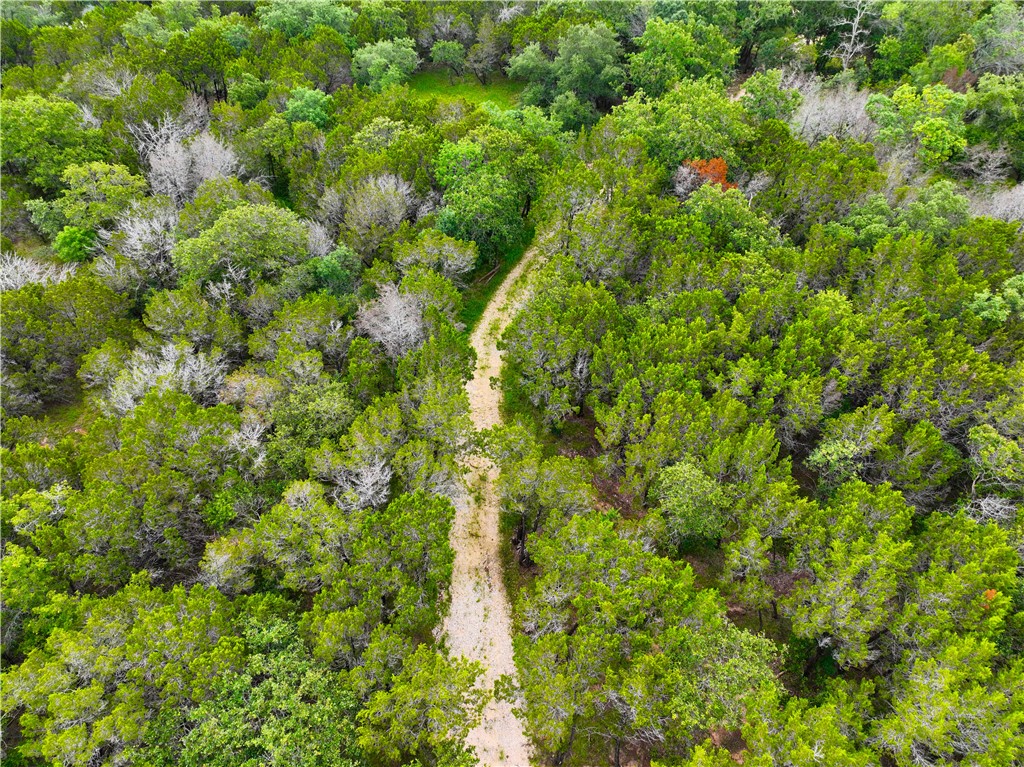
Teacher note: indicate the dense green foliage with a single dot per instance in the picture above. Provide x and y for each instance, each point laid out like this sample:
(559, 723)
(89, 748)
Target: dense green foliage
(763, 471)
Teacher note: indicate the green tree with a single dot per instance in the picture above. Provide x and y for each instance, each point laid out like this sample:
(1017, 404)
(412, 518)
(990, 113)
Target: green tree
(96, 688)
(804, 735)
(956, 708)
(450, 54)
(213, 198)
(144, 496)
(300, 18)
(695, 120)
(261, 240)
(385, 63)
(932, 121)
(430, 708)
(856, 554)
(961, 587)
(764, 98)
(483, 56)
(280, 708)
(612, 658)
(46, 332)
(550, 345)
(45, 136)
(819, 184)
(587, 64)
(943, 61)
(483, 208)
(74, 244)
(337, 272)
(199, 59)
(851, 596)
(672, 51)
(445, 255)
(97, 193)
(307, 537)
(307, 105)
(691, 502)
(456, 161)
(29, 582)
(999, 37)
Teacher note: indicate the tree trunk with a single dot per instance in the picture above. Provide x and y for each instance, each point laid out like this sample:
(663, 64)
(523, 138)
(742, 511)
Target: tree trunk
(746, 56)
(815, 657)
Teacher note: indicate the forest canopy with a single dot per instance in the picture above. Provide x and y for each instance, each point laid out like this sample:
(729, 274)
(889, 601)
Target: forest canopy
(759, 456)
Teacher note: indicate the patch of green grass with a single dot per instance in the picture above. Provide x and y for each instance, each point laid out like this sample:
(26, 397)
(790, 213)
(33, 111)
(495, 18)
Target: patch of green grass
(75, 415)
(484, 281)
(431, 83)
(31, 245)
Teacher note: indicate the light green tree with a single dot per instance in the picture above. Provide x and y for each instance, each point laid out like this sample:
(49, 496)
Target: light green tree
(430, 708)
(931, 120)
(385, 63)
(450, 54)
(260, 240)
(954, 708)
(672, 51)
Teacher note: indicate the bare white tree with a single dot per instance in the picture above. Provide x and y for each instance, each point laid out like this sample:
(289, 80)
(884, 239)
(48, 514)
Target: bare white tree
(98, 78)
(17, 272)
(211, 158)
(361, 478)
(992, 508)
(193, 118)
(753, 185)
(172, 367)
(111, 82)
(89, 119)
(638, 20)
(836, 109)
(858, 16)
(686, 180)
(227, 290)
(430, 203)
(137, 252)
(394, 320)
(320, 241)
(376, 206)
(510, 10)
(178, 166)
(366, 483)
(170, 170)
(1006, 204)
(248, 444)
(985, 164)
(331, 208)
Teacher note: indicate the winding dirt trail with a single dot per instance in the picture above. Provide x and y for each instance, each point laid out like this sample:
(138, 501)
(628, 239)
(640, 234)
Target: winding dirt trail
(479, 625)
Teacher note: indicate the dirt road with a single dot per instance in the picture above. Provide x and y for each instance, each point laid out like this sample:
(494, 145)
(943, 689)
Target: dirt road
(479, 625)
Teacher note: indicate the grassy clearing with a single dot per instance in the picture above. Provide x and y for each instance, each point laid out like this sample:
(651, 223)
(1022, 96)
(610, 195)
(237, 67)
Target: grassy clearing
(31, 245)
(484, 281)
(73, 416)
(432, 83)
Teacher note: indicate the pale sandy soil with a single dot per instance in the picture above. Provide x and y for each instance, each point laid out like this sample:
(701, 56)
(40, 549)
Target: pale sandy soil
(479, 625)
